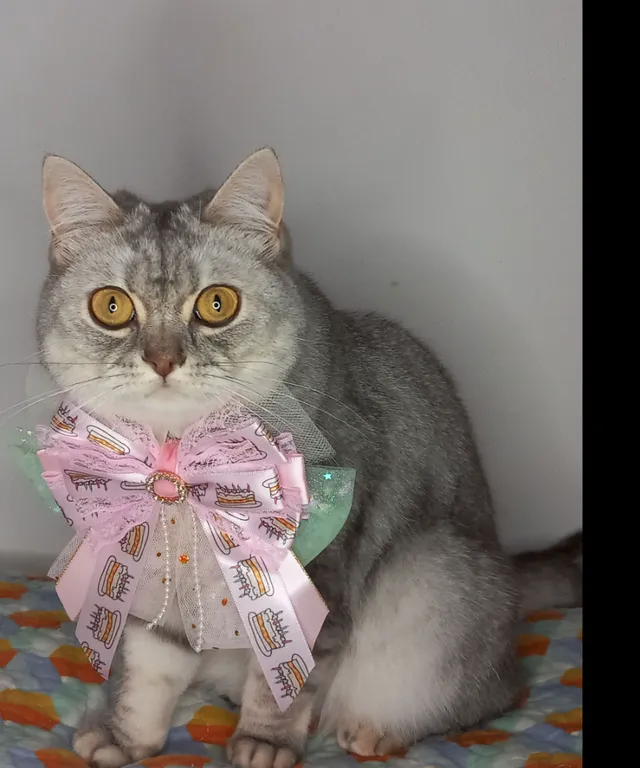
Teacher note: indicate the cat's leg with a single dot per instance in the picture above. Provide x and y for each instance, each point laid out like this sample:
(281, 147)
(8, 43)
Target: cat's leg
(153, 671)
(226, 671)
(433, 649)
(266, 737)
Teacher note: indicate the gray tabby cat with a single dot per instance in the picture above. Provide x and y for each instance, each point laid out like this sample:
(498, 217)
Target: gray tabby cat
(423, 603)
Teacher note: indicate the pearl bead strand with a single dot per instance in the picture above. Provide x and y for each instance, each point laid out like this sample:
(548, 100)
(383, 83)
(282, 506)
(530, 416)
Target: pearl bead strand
(194, 530)
(167, 572)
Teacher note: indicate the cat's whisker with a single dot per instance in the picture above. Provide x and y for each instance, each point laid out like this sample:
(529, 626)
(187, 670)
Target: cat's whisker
(38, 362)
(34, 400)
(311, 344)
(315, 391)
(23, 360)
(303, 402)
(254, 404)
(240, 363)
(219, 399)
(82, 406)
(28, 400)
(328, 433)
(100, 397)
(293, 427)
(330, 397)
(30, 405)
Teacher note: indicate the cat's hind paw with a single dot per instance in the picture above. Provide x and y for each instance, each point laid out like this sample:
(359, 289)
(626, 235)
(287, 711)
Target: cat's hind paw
(366, 741)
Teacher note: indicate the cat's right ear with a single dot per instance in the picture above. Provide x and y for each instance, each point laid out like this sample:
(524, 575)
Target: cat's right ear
(253, 198)
(73, 201)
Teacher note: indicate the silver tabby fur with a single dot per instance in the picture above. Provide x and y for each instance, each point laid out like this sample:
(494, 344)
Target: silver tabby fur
(423, 603)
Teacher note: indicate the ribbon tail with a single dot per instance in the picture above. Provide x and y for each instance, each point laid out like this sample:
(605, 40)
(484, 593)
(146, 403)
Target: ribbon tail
(281, 635)
(309, 607)
(110, 592)
(73, 585)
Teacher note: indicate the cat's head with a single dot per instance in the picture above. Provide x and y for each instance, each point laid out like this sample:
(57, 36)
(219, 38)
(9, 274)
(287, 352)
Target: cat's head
(163, 313)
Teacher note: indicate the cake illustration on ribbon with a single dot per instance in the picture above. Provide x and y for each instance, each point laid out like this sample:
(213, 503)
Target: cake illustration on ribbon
(253, 577)
(86, 481)
(63, 422)
(232, 450)
(262, 431)
(134, 542)
(268, 631)
(223, 541)
(285, 443)
(239, 450)
(93, 656)
(198, 491)
(275, 491)
(114, 579)
(234, 497)
(280, 528)
(105, 440)
(128, 485)
(105, 625)
(291, 676)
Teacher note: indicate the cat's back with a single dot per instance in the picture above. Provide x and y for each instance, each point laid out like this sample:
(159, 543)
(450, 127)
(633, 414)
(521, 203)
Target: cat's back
(393, 367)
(416, 421)
(381, 362)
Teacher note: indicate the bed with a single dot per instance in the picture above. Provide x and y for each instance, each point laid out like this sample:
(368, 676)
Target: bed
(46, 683)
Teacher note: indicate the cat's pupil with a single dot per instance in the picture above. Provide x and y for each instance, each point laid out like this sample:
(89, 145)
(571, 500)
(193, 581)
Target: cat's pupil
(217, 304)
(113, 305)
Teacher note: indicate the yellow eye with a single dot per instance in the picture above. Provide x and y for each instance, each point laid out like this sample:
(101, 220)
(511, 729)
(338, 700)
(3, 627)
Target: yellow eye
(217, 305)
(111, 307)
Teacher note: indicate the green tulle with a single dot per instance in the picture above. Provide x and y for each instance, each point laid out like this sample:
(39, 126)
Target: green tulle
(331, 491)
(24, 448)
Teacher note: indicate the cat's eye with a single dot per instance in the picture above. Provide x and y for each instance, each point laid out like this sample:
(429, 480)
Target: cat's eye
(217, 305)
(111, 307)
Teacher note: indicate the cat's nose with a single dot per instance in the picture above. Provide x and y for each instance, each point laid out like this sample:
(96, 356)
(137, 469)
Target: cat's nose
(163, 364)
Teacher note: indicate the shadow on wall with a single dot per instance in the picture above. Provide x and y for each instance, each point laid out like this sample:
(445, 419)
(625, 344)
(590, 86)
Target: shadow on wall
(491, 356)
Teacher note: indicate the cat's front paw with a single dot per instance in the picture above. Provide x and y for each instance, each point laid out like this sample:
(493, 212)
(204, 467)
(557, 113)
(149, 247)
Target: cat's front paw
(248, 752)
(97, 746)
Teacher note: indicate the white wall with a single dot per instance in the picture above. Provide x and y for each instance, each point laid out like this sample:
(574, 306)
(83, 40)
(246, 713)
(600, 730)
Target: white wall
(432, 157)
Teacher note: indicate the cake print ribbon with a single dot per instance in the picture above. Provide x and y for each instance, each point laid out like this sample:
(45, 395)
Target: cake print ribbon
(245, 489)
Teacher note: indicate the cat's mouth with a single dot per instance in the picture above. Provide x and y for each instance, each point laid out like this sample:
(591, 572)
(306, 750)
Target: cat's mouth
(163, 389)
(174, 393)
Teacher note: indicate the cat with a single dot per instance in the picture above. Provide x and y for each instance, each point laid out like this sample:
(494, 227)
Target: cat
(424, 605)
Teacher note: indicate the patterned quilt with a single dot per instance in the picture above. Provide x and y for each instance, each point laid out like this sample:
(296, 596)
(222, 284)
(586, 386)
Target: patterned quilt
(46, 683)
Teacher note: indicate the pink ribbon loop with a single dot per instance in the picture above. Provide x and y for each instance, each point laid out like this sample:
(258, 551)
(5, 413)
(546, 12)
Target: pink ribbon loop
(247, 491)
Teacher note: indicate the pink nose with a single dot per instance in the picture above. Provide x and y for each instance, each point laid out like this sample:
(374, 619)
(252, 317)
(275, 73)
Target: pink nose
(162, 364)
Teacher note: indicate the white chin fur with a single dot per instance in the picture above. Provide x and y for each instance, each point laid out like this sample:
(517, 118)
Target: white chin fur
(161, 414)
(164, 409)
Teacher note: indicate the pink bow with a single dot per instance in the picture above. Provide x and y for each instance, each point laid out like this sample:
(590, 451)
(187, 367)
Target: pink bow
(245, 489)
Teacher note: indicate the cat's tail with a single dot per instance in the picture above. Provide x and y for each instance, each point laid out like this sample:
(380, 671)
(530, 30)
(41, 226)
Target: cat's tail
(551, 577)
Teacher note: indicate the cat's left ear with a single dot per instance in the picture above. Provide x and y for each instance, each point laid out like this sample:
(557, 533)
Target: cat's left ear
(252, 197)
(74, 203)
